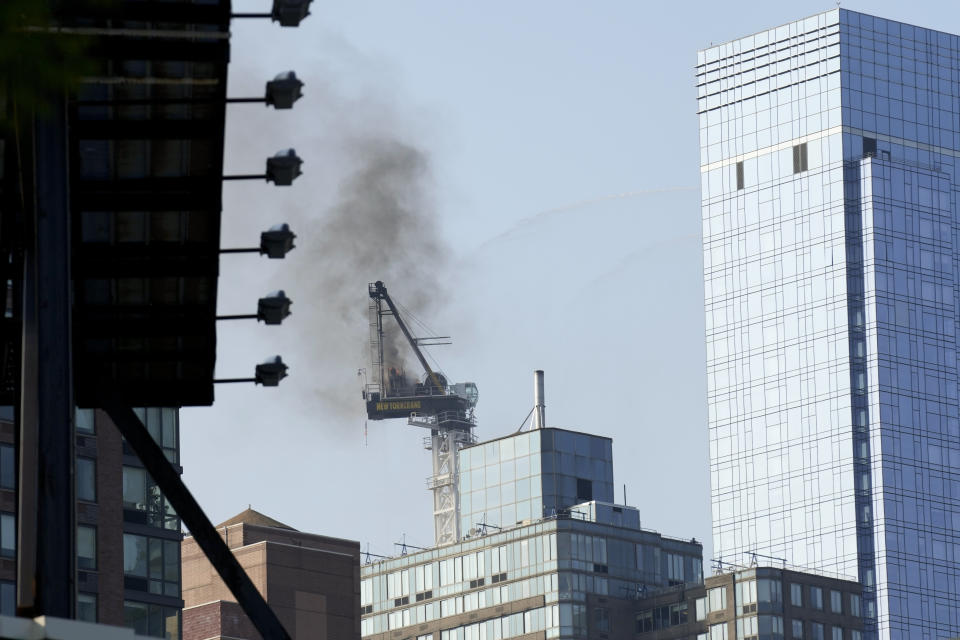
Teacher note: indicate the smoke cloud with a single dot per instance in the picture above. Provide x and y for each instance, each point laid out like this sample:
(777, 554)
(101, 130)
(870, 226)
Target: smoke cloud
(363, 210)
(381, 225)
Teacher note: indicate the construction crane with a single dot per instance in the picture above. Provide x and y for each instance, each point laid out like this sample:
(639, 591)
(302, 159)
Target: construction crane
(430, 403)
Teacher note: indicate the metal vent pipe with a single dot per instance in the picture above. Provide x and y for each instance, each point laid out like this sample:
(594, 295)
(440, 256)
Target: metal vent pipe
(539, 408)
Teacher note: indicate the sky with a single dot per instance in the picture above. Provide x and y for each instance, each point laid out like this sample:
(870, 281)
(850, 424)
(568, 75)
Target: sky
(522, 175)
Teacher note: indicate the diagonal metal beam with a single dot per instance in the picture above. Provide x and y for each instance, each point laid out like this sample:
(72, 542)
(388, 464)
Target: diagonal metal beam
(213, 546)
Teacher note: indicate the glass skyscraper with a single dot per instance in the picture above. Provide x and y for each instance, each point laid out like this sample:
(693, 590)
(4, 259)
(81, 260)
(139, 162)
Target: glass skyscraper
(828, 160)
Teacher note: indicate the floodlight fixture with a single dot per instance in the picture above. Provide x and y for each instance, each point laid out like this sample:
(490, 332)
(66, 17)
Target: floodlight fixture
(283, 90)
(270, 372)
(283, 167)
(273, 308)
(275, 242)
(289, 13)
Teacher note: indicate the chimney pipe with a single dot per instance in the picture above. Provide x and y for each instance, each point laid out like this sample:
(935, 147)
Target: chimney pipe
(539, 408)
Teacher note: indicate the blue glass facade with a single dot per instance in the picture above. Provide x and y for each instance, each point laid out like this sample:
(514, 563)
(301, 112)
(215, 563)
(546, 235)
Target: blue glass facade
(829, 154)
(557, 557)
(532, 474)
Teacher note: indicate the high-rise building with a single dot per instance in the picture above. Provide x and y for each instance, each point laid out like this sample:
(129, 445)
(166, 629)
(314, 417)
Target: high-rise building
(128, 536)
(828, 160)
(546, 554)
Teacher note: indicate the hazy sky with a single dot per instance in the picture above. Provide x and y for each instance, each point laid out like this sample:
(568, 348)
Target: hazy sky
(559, 229)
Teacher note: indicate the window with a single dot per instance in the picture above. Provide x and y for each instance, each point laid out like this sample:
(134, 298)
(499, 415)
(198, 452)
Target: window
(162, 425)
(8, 598)
(701, 608)
(869, 147)
(86, 547)
(584, 489)
(836, 601)
(800, 158)
(151, 564)
(796, 595)
(8, 467)
(816, 631)
(854, 605)
(601, 619)
(837, 633)
(718, 631)
(797, 630)
(83, 419)
(718, 598)
(855, 635)
(746, 596)
(747, 628)
(86, 479)
(141, 494)
(674, 568)
(644, 621)
(739, 175)
(87, 607)
(816, 598)
(769, 591)
(8, 535)
(152, 619)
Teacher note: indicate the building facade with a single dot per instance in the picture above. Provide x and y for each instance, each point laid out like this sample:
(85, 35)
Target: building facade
(828, 163)
(128, 536)
(545, 556)
(312, 582)
(755, 602)
(532, 474)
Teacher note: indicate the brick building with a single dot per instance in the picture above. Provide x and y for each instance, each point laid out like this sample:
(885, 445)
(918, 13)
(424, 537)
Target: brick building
(312, 582)
(128, 536)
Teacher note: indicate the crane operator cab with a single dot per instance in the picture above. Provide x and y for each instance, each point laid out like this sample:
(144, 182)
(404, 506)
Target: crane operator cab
(468, 391)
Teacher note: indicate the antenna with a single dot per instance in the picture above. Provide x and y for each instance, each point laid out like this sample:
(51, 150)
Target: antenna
(403, 546)
(368, 555)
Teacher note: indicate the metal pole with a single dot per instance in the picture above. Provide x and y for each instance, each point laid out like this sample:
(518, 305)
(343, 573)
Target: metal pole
(226, 380)
(193, 517)
(539, 408)
(247, 176)
(47, 365)
(153, 101)
(246, 316)
(250, 250)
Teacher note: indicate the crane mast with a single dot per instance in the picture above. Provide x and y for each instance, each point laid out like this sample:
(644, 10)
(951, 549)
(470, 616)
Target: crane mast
(446, 410)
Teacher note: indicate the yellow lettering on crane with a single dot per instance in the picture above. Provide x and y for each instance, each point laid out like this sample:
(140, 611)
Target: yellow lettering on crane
(398, 406)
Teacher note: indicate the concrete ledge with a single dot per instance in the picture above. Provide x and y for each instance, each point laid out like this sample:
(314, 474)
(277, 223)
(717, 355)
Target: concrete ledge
(47, 628)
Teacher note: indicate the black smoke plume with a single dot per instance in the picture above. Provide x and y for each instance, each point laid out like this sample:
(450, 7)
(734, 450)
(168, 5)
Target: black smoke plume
(382, 225)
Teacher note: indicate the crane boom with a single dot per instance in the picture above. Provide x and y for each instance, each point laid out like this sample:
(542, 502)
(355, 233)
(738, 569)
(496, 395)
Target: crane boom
(380, 290)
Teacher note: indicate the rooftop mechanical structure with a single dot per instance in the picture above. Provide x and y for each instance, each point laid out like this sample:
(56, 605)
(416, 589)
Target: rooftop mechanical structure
(447, 410)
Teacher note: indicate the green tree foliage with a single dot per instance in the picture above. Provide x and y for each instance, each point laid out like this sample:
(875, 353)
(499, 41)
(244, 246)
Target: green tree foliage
(38, 61)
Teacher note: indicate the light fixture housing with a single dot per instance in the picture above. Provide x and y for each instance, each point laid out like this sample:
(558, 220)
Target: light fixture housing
(274, 307)
(284, 90)
(284, 167)
(270, 372)
(277, 241)
(289, 13)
